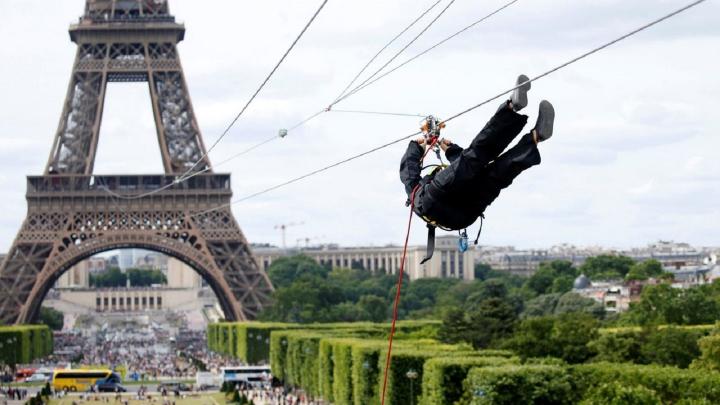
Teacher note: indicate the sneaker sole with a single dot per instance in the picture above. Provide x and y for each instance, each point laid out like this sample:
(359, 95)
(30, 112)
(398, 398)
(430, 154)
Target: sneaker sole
(519, 96)
(546, 120)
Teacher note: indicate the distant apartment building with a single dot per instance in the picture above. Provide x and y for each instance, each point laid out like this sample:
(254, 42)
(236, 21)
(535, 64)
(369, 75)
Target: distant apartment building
(671, 255)
(615, 297)
(526, 262)
(447, 262)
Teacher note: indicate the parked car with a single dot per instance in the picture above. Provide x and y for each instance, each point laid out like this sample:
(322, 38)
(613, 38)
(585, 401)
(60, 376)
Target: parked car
(38, 377)
(110, 386)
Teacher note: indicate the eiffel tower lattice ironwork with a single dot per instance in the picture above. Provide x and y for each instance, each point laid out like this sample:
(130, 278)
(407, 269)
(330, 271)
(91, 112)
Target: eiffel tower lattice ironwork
(74, 214)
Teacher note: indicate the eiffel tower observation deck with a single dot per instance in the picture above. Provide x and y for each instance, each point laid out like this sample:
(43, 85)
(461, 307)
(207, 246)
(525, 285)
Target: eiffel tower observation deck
(74, 213)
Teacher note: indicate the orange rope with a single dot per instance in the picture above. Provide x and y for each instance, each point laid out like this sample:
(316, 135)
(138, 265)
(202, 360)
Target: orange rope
(400, 279)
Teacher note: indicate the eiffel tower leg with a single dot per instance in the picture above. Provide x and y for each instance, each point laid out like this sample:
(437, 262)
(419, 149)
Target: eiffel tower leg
(25, 261)
(77, 135)
(231, 251)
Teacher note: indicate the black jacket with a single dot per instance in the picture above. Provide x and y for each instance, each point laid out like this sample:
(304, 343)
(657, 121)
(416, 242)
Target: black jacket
(448, 211)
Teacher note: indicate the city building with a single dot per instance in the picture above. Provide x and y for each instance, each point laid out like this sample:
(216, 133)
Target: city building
(447, 262)
(526, 262)
(671, 255)
(614, 296)
(126, 259)
(79, 275)
(184, 291)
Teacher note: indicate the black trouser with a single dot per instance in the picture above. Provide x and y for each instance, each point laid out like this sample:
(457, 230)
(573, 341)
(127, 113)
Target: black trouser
(480, 173)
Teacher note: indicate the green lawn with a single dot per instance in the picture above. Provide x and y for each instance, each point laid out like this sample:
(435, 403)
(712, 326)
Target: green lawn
(207, 399)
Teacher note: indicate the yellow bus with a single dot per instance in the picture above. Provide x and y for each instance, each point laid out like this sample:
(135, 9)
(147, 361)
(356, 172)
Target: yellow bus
(81, 380)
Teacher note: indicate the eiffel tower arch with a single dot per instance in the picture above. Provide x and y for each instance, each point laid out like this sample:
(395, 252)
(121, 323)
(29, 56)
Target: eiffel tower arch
(74, 214)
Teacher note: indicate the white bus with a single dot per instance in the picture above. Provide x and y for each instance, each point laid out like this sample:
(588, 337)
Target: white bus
(252, 375)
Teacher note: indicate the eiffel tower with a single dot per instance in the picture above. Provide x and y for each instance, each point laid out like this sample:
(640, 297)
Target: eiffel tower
(74, 214)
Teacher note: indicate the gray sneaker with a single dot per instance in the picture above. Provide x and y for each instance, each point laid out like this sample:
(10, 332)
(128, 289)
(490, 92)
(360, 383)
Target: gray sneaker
(519, 97)
(546, 118)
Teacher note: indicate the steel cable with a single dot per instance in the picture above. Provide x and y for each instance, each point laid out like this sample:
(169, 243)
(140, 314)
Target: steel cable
(489, 100)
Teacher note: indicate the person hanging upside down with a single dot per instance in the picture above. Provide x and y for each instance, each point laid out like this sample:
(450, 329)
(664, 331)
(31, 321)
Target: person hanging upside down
(454, 197)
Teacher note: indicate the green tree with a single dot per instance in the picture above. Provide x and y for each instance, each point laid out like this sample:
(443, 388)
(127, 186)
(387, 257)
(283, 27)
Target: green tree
(542, 305)
(286, 270)
(571, 334)
(607, 267)
(110, 278)
(619, 347)
(671, 346)
(456, 327)
(482, 271)
(51, 317)
(645, 270)
(494, 319)
(145, 278)
(556, 276)
(573, 302)
(662, 304)
(374, 308)
(710, 352)
(533, 338)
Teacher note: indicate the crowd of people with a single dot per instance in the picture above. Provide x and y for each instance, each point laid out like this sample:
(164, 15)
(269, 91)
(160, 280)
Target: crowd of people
(13, 394)
(148, 350)
(278, 396)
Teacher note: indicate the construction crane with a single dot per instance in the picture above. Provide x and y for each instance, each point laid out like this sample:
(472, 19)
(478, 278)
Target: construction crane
(307, 240)
(283, 228)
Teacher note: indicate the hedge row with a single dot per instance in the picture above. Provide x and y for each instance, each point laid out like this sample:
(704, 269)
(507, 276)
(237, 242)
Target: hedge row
(586, 383)
(25, 343)
(443, 377)
(250, 341)
(348, 370)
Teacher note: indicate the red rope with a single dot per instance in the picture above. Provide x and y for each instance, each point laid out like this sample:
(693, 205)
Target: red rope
(400, 279)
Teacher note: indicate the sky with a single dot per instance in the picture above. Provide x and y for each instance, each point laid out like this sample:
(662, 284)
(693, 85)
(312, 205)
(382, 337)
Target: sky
(634, 157)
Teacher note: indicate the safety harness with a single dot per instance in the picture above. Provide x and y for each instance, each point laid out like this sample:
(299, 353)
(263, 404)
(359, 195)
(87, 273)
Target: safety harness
(431, 127)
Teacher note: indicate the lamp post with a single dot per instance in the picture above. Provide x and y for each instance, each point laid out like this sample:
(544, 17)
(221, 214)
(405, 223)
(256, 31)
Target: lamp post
(412, 375)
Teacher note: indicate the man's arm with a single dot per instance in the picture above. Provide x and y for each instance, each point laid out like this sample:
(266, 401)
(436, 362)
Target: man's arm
(452, 151)
(411, 166)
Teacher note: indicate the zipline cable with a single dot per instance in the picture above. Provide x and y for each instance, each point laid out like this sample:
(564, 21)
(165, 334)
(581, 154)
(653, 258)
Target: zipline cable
(395, 38)
(489, 100)
(362, 86)
(404, 48)
(182, 177)
(267, 79)
(344, 96)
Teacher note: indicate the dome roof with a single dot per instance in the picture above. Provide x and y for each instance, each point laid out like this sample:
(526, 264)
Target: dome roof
(581, 282)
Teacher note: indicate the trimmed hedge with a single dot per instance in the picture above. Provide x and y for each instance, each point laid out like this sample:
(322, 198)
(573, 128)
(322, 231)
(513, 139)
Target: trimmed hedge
(302, 361)
(514, 384)
(24, 343)
(412, 357)
(671, 384)
(443, 377)
(345, 365)
(326, 368)
(250, 341)
(342, 371)
(367, 371)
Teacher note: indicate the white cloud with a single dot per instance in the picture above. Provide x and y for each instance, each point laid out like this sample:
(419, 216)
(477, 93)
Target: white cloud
(643, 109)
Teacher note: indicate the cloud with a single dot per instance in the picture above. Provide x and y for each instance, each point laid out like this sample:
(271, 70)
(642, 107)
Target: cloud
(643, 109)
